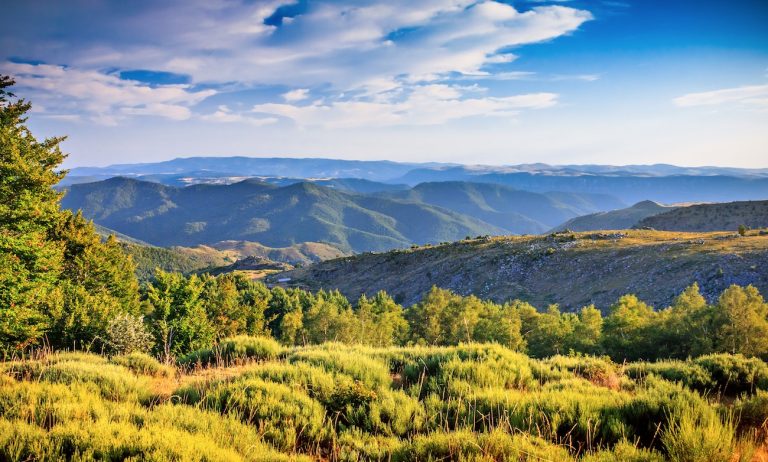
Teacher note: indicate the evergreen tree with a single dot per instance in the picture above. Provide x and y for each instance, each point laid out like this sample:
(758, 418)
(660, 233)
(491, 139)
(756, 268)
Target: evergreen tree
(56, 276)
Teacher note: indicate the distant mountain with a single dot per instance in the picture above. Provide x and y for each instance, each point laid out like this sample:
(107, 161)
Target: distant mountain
(519, 212)
(273, 216)
(205, 177)
(260, 166)
(614, 219)
(711, 217)
(629, 183)
(628, 188)
(573, 270)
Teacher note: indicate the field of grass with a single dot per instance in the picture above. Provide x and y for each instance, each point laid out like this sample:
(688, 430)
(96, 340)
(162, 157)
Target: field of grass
(252, 399)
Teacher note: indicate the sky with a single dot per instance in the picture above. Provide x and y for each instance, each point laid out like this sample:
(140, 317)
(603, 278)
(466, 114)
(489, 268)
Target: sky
(475, 82)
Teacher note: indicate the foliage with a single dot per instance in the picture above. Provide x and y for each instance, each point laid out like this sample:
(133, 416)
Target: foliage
(478, 402)
(127, 334)
(57, 278)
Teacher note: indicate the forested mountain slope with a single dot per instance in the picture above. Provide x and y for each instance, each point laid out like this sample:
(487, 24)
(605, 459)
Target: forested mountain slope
(572, 270)
(519, 212)
(273, 216)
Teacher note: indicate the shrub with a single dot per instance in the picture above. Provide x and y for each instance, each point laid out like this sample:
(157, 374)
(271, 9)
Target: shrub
(127, 333)
(235, 350)
(111, 381)
(734, 374)
(752, 412)
(692, 436)
(285, 416)
(691, 375)
(142, 364)
(624, 452)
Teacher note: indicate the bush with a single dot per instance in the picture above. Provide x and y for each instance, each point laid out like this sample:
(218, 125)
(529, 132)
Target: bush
(142, 364)
(752, 412)
(110, 381)
(234, 350)
(734, 374)
(126, 334)
(285, 416)
(692, 436)
(691, 375)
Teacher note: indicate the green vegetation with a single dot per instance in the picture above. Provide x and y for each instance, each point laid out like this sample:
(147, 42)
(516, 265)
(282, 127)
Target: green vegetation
(515, 211)
(471, 402)
(201, 368)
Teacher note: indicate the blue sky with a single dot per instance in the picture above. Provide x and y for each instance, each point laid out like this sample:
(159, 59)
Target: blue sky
(491, 82)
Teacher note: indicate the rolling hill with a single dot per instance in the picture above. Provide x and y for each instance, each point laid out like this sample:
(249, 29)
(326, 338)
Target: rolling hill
(614, 219)
(711, 217)
(518, 212)
(273, 216)
(571, 269)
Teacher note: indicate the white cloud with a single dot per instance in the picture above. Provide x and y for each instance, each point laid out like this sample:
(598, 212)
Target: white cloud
(105, 98)
(424, 105)
(224, 114)
(296, 95)
(346, 44)
(750, 95)
(387, 59)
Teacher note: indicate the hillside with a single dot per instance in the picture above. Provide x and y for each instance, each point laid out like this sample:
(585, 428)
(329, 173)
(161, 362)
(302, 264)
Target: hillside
(274, 216)
(628, 187)
(303, 253)
(572, 270)
(614, 219)
(711, 217)
(518, 212)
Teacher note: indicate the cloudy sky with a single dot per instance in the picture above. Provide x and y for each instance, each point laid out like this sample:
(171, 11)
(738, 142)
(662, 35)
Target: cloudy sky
(492, 82)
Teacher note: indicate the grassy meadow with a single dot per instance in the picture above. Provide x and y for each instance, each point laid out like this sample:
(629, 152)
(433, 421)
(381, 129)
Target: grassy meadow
(250, 398)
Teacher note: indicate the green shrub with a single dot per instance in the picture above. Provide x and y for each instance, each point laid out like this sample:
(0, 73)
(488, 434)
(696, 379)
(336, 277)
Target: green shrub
(43, 421)
(752, 412)
(692, 436)
(734, 374)
(234, 350)
(111, 381)
(691, 375)
(624, 452)
(285, 416)
(142, 364)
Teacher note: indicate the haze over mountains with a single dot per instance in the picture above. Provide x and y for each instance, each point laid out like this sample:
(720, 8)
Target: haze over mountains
(274, 216)
(358, 206)
(631, 184)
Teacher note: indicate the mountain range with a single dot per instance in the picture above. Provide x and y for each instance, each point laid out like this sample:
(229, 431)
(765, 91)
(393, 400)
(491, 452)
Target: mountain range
(630, 183)
(273, 216)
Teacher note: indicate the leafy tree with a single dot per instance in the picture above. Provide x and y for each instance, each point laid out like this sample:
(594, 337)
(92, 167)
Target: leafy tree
(686, 327)
(380, 321)
(743, 327)
(127, 333)
(56, 276)
(500, 324)
(549, 332)
(177, 316)
(627, 331)
(587, 332)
